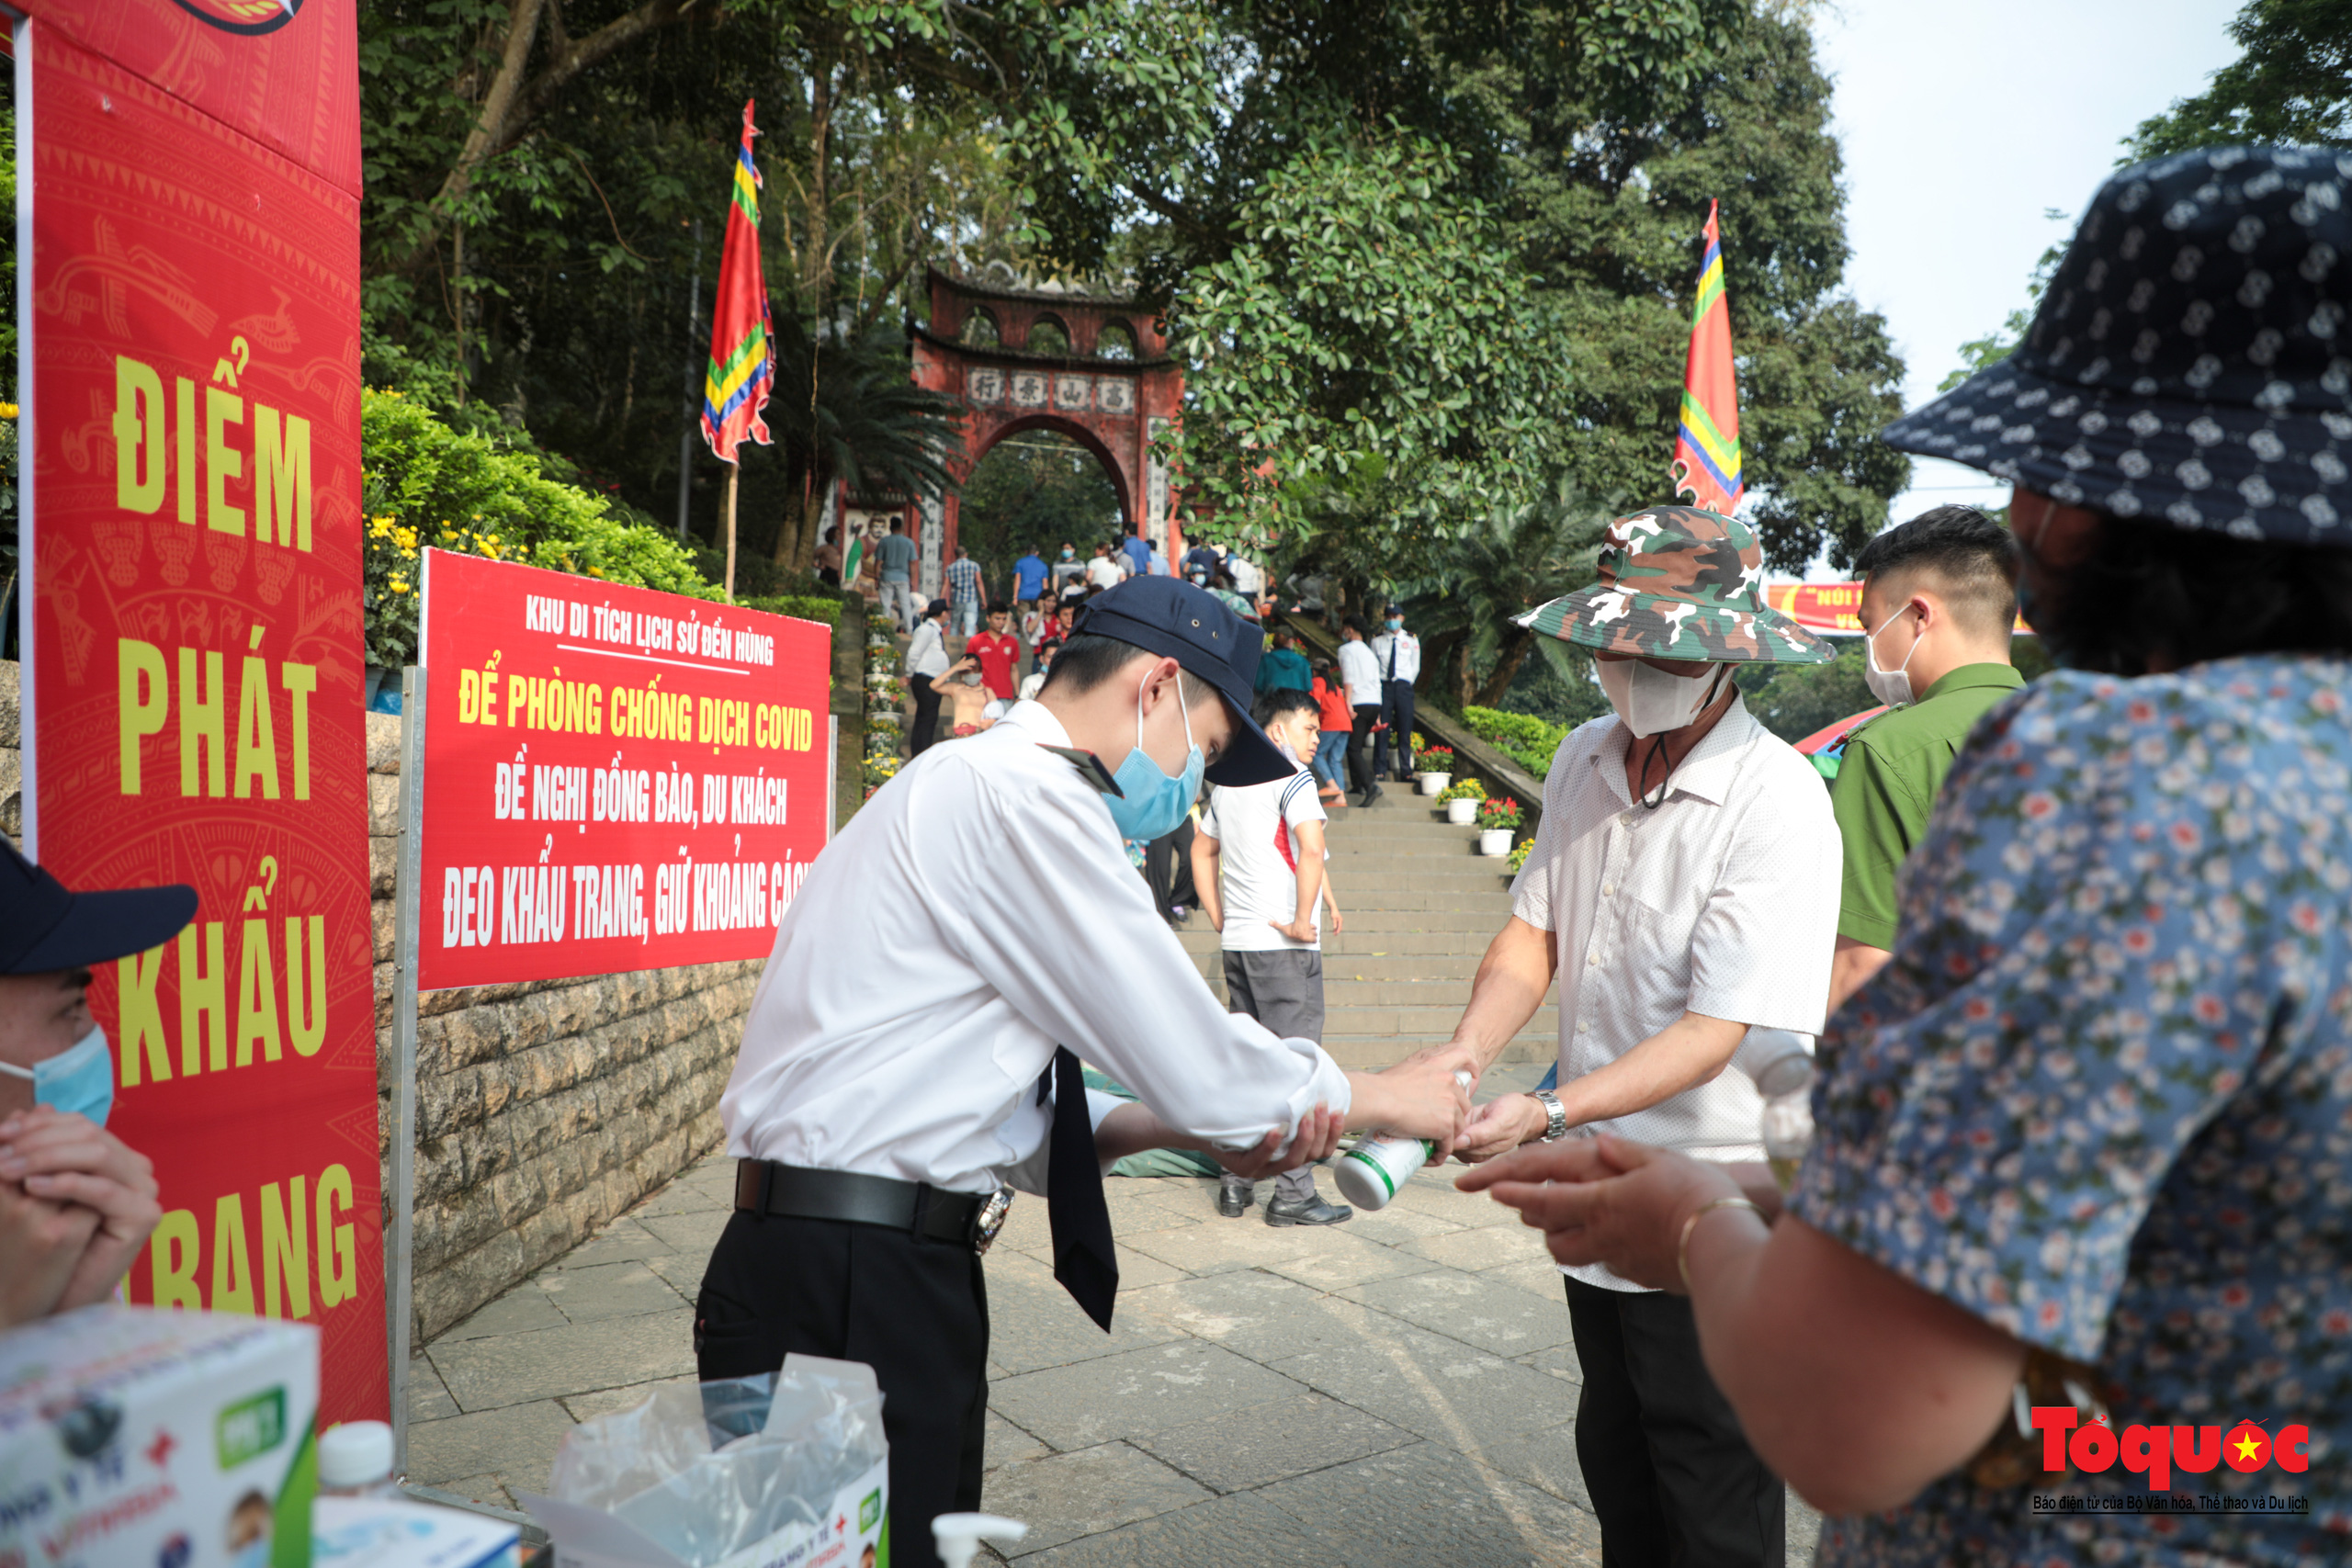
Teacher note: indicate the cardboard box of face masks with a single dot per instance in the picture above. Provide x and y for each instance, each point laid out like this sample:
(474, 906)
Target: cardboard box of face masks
(181, 1440)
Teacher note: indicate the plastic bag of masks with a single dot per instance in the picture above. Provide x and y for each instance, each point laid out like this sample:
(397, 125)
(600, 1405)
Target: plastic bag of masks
(747, 1472)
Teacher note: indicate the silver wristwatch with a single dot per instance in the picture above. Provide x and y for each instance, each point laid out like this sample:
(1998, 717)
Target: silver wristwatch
(1557, 1128)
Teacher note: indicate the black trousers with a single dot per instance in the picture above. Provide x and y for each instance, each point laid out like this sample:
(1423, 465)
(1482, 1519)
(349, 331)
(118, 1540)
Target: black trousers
(1360, 764)
(913, 1309)
(1168, 866)
(1670, 1474)
(1394, 744)
(926, 727)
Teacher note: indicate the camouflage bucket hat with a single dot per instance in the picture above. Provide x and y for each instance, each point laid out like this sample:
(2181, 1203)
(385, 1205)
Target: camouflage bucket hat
(1677, 582)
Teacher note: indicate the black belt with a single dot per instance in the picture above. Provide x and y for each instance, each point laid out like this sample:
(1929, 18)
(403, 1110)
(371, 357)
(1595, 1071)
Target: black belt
(766, 1187)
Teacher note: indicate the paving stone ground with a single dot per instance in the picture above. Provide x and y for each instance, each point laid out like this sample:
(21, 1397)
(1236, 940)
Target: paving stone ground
(1396, 1390)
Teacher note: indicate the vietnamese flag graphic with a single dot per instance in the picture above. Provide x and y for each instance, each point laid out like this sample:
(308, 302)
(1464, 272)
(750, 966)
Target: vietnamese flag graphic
(1706, 443)
(742, 359)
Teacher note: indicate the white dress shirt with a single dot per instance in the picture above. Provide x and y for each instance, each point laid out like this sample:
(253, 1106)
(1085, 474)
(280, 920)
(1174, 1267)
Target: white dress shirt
(1361, 671)
(1407, 650)
(1722, 902)
(927, 649)
(977, 912)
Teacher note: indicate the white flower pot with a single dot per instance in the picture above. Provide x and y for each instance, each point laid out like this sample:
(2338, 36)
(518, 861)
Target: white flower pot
(1462, 813)
(1436, 783)
(1494, 842)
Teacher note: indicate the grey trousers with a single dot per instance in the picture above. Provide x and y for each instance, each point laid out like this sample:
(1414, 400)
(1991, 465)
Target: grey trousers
(1283, 990)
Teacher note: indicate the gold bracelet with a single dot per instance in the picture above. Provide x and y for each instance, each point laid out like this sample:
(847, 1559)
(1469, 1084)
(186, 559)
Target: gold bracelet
(1682, 1248)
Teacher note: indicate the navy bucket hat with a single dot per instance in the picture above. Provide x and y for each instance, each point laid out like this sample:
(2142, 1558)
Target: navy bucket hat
(2191, 360)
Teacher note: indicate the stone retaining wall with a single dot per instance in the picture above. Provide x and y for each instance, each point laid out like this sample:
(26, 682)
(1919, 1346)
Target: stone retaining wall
(542, 1111)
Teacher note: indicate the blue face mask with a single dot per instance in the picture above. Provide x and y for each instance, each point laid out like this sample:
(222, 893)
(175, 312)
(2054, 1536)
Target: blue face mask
(1150, 803)
(1396, 624)
(78, 1079)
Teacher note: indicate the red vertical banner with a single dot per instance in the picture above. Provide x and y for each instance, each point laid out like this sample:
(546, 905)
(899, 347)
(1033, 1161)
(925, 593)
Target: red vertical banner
(615, 778)
(189, 240)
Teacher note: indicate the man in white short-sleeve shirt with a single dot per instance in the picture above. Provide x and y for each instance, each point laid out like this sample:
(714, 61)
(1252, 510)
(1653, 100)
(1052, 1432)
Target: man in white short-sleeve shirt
(1683, 888)
(1258, 863)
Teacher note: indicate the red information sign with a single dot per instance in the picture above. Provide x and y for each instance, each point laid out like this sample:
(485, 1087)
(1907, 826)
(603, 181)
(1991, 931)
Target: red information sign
(615, 778)
(189, 230)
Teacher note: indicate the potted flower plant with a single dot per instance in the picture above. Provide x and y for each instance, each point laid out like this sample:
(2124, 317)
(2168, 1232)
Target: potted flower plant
(1436, 768)
(1497, 824)
(1461, 801)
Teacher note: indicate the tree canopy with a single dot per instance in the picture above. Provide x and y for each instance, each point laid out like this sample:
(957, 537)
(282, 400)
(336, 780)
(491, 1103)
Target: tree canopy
(2293, 83)
(1455, 243)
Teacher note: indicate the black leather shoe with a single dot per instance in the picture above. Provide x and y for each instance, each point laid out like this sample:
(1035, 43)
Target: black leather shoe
(1314, 1211)
(1233, 1199)
(1372, 794)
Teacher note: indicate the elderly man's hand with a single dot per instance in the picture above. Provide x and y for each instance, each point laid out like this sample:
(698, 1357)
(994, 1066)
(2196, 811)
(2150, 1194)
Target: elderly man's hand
(1500, 1126)
(1606, 1201)
(61, 1159)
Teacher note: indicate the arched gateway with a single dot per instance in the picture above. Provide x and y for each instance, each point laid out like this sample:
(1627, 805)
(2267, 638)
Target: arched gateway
(1025, 356)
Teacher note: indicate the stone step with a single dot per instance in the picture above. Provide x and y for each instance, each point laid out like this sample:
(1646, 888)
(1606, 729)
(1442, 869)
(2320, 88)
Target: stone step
(1364, 940)
(1371, 930)
(1341, 1022)
(1456, 845)
(1371, 1053)
(1385, 876)
(1352, 968)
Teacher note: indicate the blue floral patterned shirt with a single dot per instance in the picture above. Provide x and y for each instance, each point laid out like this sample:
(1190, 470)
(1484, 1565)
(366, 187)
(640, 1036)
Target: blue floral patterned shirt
(2101, 1096)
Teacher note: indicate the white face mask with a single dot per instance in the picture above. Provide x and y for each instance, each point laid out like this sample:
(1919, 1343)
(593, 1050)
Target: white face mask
(1650, 701)
(1892, 687)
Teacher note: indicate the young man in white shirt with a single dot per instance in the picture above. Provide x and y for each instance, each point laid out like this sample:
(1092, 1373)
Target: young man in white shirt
(1683, 888)
(1257, 867)
(916, 1037)
(1105, 571)
(1361, 671)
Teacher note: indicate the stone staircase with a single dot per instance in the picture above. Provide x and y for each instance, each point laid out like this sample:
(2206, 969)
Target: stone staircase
(1421, 905)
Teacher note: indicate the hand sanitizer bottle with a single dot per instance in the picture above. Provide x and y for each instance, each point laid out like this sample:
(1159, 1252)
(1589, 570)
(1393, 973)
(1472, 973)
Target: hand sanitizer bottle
(1369, 1174)
(958, 1536)
(1780, 1065)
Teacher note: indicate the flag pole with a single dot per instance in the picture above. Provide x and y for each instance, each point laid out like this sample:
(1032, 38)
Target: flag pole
(734, 471)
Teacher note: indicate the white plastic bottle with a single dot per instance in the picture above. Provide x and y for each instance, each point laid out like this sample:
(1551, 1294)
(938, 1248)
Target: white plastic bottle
(1369, 1174)
(958, 1536)
(1780, 1065)
(355, 1460)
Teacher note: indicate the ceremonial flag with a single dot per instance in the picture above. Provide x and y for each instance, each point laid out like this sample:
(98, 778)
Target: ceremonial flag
(742, 359)
(1706, 446)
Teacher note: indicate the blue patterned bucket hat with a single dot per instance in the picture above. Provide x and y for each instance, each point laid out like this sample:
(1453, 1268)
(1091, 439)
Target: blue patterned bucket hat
(2192, 359)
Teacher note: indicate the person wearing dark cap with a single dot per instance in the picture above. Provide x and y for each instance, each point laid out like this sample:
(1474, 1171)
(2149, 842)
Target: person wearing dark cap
(2073, 1222)
(77, 1203)
(914, 1042)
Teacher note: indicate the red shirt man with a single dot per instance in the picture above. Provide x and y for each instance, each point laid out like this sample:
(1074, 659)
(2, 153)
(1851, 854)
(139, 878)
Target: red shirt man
(999, 652)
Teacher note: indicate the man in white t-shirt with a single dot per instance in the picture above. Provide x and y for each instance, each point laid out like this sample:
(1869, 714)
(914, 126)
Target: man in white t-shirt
(1105, 570)
(1683, 889)
(1258, 866)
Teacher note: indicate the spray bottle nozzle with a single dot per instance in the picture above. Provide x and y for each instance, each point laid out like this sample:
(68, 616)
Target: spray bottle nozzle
(958, 1536)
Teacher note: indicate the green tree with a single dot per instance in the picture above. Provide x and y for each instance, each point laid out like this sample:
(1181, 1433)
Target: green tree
(2293, 83)
(1466, 612)
(852, 415)
(1371, 314)
(1585, 138)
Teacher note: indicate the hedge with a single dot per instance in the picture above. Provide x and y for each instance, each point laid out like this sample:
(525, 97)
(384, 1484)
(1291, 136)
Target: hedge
(424, 484)
(1524, 739)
